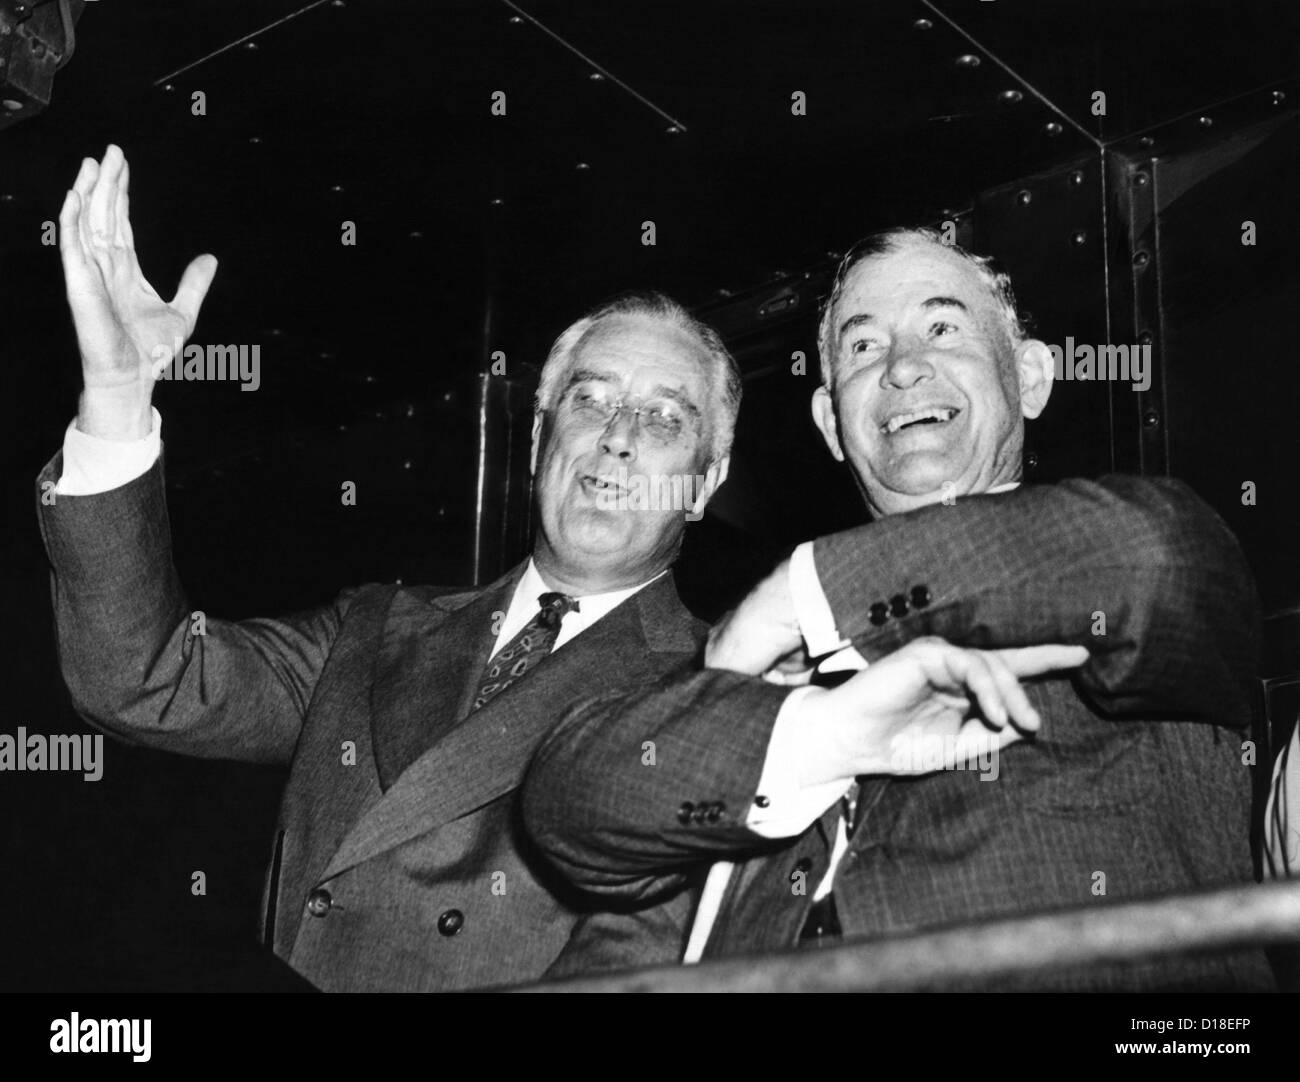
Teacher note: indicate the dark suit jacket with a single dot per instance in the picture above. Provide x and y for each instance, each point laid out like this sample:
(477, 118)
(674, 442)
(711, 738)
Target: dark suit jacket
(1135, 785)
(400, 864)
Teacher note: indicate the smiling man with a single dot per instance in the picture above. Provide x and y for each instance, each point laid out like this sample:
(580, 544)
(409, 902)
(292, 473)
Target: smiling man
(406, 715)
(1131, 786)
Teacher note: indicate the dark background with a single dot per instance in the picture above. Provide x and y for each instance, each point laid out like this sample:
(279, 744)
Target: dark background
(479, 233)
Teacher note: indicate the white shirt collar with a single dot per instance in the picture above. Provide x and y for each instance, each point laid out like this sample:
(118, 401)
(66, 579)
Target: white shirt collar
(591, 607)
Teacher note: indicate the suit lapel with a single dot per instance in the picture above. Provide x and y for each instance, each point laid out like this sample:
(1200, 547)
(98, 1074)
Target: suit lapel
(427, 669)
(476, 761)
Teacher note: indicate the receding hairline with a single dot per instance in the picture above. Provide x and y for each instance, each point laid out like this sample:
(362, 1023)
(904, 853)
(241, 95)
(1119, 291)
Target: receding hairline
(704, 361)
(991, 286)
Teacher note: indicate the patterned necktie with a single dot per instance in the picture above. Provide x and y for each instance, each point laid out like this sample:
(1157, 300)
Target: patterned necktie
(527, 649)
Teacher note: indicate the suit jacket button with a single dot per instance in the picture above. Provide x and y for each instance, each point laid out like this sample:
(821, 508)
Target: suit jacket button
(761, 801)
(319, 902)
(450, 922)
(684, 812)
(898, 606)
(920, 596)
(879, 613)
(701, 810)
(715, 811)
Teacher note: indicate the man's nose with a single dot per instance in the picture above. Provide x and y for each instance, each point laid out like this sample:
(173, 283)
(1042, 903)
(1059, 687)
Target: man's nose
(619, 437)
(906, 365)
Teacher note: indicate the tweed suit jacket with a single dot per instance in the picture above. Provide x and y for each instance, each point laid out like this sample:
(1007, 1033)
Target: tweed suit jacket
(398, 862)
(1134, 787)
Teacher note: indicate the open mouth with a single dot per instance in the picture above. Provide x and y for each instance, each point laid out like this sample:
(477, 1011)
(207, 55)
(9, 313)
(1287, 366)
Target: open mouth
(933, 415)
(595, 484)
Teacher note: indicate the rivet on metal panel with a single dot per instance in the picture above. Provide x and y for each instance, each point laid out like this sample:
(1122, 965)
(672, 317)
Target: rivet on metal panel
(336, 188)
(673, 129)
(1031, 459)
(596, 77)
(254, 139)
(923, 24)
(1141, 180)
(1053, 128)
(582, 167)
(407, 464)
(250, 46)
(968, 60)
(1024, 198)
(1151, 419)
(1146, 141)
(169, 87)
(1011, 96)
(515, 20)
(497, 202)
(1076, 178)
(1205, 121)
(415, 234)
(1078, 237)
(1145, 338)
(1141, 259)
(1279, 97)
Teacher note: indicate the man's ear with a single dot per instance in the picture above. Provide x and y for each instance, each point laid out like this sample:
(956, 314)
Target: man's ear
(539, 419)
(1035, 369)
(823, 412)
(713, 478)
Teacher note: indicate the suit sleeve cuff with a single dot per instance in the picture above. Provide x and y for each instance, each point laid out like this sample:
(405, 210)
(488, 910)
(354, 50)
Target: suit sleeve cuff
(92, 465)
(784, 807)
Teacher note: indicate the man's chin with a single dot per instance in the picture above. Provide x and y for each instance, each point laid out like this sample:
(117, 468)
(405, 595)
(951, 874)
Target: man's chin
(599, 534)
(915, 485)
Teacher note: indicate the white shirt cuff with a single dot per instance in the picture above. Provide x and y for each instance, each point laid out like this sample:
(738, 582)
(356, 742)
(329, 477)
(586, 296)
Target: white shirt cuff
(784, 807)
(92, 465)
(811, 609)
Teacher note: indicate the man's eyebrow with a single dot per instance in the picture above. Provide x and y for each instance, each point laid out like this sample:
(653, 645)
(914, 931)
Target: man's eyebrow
(677, 395)
(927, 305)
(589, 375)
(856, 321)
(944, 302)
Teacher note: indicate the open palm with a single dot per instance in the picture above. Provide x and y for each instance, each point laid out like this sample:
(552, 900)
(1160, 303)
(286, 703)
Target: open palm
(122, 324)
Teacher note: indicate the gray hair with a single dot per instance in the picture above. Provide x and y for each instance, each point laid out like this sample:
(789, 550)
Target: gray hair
(889, 241)
(724, 377)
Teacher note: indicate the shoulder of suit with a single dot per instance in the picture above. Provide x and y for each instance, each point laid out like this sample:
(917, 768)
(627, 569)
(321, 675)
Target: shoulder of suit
(444, 598)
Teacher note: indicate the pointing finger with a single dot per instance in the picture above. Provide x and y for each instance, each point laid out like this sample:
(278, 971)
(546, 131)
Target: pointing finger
(1036, 660)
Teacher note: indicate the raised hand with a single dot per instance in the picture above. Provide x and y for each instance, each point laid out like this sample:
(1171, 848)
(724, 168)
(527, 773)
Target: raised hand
(886, 719)
(125, 330)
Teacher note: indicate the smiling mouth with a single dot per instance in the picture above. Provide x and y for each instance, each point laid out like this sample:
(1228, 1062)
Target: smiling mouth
(937, 415)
